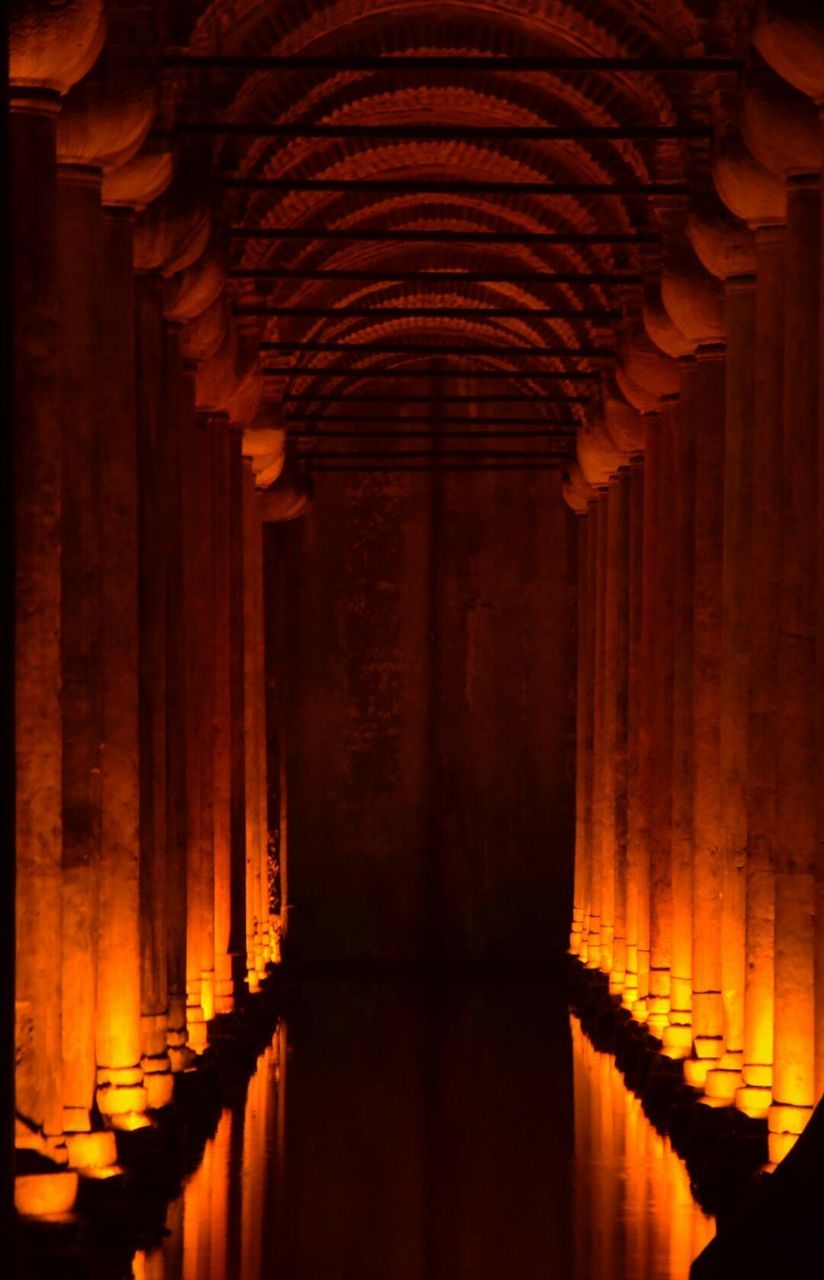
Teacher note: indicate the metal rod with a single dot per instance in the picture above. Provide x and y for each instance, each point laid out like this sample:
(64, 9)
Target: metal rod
(390, 434)
(472, 276)
(450, 62)
(440, 132)
(380, 426)
(444, 235)
(298, 371)
(306, 397)
(426, 468)
(418, 186)
(437, 313)
(516, 455)
(435, 349)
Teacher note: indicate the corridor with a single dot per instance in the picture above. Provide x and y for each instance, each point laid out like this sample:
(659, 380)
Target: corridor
(418, 451)
(458, 1129)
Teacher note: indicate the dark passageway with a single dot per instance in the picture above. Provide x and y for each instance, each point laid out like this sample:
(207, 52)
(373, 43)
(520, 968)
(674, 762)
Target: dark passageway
(432, 1131)
(419, 552)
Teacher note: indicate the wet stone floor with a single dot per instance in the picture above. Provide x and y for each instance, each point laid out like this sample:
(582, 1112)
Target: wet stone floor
(412, 1131)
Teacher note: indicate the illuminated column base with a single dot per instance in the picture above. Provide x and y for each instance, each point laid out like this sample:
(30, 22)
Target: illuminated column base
(754, 1097)
(593, 960)
(784, 1124)
(658, 1002)
(577, 929)
(181, 1056)
(45, 1195)
(94, 1155)
(155, 1062)
(224, 985)
(708, 1049)
(207, 993)
(725, 1080)
(121, 1096)
(677, 1036)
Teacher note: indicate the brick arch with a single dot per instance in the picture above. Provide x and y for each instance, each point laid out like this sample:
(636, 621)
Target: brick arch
(384, 27)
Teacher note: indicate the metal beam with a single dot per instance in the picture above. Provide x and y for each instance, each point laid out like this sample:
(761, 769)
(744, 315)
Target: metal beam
(658, 63)
(440, 132)
(444, 235)
(298, 371)
(484, 455)
(549, 437)
(447, 276)
(305, 397)
(437, 313)
(455, 187)
(324, 420)
(437, 349)
(425, 468)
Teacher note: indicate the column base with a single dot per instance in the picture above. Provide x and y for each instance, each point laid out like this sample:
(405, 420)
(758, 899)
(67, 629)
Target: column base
(753, 1101)
(784, 1124)
(93, 1154)
(46, 1195)
(76, 1120)
(697, 1069)
(677, 1039)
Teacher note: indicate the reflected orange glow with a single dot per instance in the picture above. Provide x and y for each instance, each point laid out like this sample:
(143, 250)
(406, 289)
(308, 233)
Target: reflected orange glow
(635, 1215)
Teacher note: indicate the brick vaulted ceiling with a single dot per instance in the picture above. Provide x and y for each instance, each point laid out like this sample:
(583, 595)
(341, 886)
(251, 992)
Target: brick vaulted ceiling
(408, 131)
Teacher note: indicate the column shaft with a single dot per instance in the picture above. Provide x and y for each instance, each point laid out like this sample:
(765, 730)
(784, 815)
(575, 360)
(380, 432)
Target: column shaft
(79, 241)
(636, 677)
(118, 1027)
(660, 756)
(237, 742)
(37, 722)
(798, 780)
(762, 766)
(179, 742)
(581, 877)
(735, 674)
(617, 605)
(678, 1035)
(703, 397)
(152, 666)
(221, 630)
(596, 887)
(254, 835)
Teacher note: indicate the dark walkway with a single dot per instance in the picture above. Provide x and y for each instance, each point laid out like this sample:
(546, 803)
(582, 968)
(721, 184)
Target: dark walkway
(422, 1132)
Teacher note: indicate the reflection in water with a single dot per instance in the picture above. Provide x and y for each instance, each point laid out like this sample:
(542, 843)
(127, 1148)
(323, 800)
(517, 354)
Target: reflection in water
(430, 1136)
(634, 1215)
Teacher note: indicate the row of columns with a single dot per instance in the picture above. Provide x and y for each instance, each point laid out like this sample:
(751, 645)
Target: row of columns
(143, 900)
(698, 868)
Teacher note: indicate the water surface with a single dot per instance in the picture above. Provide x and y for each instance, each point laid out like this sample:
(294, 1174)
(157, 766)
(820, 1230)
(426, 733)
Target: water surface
(413, 1131)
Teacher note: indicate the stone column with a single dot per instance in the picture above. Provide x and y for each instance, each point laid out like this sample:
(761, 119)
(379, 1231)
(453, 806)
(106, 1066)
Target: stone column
(237, 742)
(38, 729)
(256, 964)
(588, 947)
(617, 608)
(118, 1024)
(704, 416)
(153, 477)
(605, 727)
(798, 774)
(764, 570)
(49, 50)
(678, 1035)
(659, 763)
(735, 673)
(222, 772)
(636, 678)
(581, 886)
(649, 640)
(595, 937)
(79, 222)
(173, 448)
(196, 551)
(259, 654)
